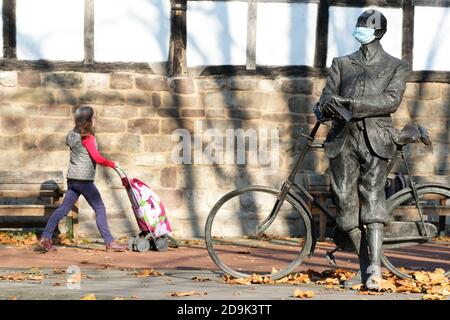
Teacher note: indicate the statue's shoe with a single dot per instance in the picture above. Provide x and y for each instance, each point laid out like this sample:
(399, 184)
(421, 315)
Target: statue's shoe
(375, 278)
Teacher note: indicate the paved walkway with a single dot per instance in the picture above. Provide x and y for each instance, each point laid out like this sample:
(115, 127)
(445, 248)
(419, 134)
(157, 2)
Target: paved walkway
(122, 284)
(111, 275)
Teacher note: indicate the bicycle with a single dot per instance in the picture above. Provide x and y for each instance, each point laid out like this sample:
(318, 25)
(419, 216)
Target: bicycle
(225, 248)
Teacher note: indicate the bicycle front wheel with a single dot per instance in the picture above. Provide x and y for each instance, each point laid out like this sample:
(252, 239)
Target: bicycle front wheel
(237, 248)
(426, 256)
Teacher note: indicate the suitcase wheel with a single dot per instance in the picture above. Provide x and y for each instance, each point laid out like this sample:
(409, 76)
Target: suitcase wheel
(142, 245)
(161, 244)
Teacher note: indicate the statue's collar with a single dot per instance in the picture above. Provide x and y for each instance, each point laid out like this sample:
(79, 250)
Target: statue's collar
(374, 50)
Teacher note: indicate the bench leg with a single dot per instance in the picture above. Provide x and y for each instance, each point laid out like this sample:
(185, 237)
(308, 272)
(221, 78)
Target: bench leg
(442, 220)
(75, 212)
(441, 230)
(322, 226)
(65, 226)
(68, 226)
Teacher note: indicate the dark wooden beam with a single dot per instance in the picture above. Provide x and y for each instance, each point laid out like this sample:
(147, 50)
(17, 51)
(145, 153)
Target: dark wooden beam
(267, 1)
(46, 66)
(301, 71)
(429, 76)
(88, 31)
(432, 3)
(251, 35)
(365, 3)
(177, 64)
(321, 50)
(9, 29)
(265, 71)
(408, 31)
(224, 70)
(353, 3)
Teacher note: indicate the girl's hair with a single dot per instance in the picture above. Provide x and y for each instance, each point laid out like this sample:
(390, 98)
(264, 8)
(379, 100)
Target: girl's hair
(83, 121)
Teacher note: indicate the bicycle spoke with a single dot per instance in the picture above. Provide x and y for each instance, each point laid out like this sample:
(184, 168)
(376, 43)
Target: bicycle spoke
(431, 254)
(239, 249)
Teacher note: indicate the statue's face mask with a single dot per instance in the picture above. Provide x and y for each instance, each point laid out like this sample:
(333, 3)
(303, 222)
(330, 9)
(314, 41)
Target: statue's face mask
(371, 25)
(364, 35)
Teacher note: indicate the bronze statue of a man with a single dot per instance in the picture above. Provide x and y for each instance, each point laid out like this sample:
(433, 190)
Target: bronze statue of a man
(370, 83)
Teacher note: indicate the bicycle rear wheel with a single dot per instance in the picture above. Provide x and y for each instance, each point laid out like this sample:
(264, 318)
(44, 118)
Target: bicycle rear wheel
(428, 255)
(236, 247)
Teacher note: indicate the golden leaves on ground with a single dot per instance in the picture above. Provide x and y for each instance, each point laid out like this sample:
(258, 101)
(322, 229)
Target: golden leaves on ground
(16, 277)
(148, 273)
(63, 240)
(442, 239)
(436, 277)
(193, 242)
(34, 274)
(253, 279)
(187, 293)
(59, 271)
(303, 294)
(329, 281)
(357, 287)
(24, 239)
(90, 296)
(19, 239)
(370, 293)
(328, 277)
(201, 279)
(431, 283)
(433, 297)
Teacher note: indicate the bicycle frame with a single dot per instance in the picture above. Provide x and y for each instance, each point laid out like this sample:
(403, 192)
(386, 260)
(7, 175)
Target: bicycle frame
(297, 190)
(290, 183)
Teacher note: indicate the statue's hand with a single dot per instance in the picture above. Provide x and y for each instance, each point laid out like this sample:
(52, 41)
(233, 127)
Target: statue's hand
(345, 102)
(329, 110)
(321, 117)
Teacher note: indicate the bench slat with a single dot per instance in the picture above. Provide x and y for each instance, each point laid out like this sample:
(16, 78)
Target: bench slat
(37, 187)
(429, 210)
(26, 210)
(30, 177)
(28, 193)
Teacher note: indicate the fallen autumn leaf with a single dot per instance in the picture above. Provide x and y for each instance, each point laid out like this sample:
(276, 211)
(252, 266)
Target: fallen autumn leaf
(89, 297)
(303, 294)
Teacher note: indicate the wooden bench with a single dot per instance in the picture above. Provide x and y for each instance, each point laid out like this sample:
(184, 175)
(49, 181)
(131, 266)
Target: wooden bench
(440, 210)
(27, 199)
(319, 186)
(439, 207)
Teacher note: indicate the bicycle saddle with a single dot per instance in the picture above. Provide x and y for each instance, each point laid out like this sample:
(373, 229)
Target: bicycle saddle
(411, 134)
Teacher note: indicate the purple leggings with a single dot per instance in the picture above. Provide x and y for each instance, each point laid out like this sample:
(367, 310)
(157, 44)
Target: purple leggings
(89, 191)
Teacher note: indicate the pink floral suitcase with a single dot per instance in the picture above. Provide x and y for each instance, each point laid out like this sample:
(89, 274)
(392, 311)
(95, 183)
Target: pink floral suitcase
(150, 214)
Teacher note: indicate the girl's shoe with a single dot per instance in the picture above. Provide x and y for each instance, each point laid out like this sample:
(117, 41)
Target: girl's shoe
(46, 245)
(116, 247)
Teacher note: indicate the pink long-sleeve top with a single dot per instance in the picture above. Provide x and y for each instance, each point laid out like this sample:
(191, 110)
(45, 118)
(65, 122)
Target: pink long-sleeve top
(91, 146)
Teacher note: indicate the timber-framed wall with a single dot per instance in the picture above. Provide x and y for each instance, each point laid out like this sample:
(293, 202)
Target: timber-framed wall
(176, 64)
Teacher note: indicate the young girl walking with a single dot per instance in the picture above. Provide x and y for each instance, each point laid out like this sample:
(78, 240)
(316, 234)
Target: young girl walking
(80, 180)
